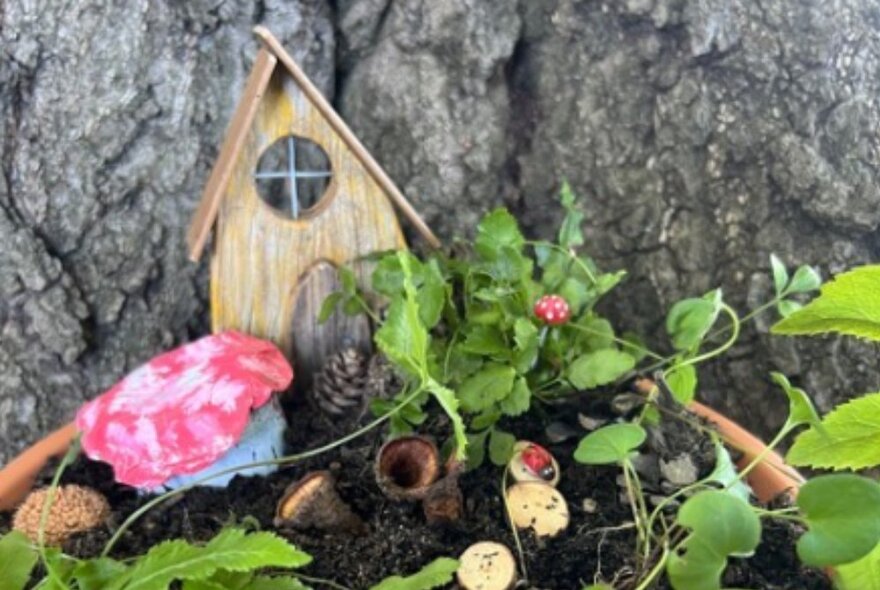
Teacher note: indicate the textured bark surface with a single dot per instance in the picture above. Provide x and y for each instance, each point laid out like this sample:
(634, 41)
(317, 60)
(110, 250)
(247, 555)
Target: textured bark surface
(701, 134)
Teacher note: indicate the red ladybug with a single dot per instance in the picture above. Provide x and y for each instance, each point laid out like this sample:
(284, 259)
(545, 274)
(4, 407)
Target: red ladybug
(532, 462)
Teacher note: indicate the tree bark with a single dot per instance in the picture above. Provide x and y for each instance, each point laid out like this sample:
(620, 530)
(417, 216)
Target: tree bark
(701, 135)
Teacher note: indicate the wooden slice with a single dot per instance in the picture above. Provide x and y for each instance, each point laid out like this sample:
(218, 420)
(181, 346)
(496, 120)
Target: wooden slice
(486, 566)
(537, 506)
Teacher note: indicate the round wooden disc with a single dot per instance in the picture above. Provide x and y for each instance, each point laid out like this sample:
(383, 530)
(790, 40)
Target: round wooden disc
(537, 506)
(486, 566)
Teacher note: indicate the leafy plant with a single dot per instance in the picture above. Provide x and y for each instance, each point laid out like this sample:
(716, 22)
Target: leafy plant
(228, 561)
(437, 573)
(465, 323)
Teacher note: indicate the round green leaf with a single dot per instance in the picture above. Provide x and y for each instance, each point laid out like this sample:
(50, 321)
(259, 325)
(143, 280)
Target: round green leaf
(843, 513)
(610, 444)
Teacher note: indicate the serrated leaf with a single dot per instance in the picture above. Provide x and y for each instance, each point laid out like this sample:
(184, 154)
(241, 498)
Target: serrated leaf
(842, 512)
(329, 306)
(610, 444)
(800, 407)
(437, 573)
(847, 305)
(780, 274)
(599, 368)
(722, 525)
(403, 337)
(476, 449)
(432, 294)
(849, 438)
(231, 550)
(447, 400)
(519, 400)
(575, 294)
(596, 333)
(96, 574)
(497, 230)
(682, 382)
(486, 340)
(689, 320)
(275, 583)
(525, 336)
(17, 560)
(805, 279)
(862, 574)
(490, 384)
(500, 446)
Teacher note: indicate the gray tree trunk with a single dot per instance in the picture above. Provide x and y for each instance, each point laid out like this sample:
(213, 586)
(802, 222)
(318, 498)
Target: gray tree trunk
(701, 134)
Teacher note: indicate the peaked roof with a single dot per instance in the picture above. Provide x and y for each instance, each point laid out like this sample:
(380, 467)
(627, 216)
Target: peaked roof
(271, 53)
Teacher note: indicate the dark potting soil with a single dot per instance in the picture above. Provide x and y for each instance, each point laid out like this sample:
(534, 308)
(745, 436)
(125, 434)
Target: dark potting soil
(597, 546)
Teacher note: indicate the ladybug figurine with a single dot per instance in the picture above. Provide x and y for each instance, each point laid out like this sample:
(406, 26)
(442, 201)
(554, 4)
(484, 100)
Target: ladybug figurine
(532, 462)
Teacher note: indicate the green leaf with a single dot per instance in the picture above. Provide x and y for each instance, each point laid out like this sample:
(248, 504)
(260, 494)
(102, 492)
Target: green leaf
(843, 515)
(432, 294)
(610, 444)
(519, 400)
(329, 306)
(348, 280)
(486, 340)
(607, 281)
(96, 574)
(847, 305)
(805, 279)
(496, 231)
(722, 525)
(849, 438)
(780, 274)
(574, 292)
(800, 408)
(525, 336)
(403, 337)
(490, 384)
(500, 446)
(275, 583)
(787, 307)
(231, 550)
(570, 234)
(725, 473)
(17, 560)
(437, 573)
(595, 332)
(862, 574)
(476, 449)
(447, 400)
(599, 368)
(689, 320)
(682, 382)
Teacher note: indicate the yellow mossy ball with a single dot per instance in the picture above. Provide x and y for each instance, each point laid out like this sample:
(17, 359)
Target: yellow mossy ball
(74, 510)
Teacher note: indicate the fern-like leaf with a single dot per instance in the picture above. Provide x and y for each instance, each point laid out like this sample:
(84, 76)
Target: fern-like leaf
(437, 573)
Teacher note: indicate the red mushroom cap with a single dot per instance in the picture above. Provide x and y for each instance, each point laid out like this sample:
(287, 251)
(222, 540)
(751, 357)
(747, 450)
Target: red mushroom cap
(184, 409)
(552, 310)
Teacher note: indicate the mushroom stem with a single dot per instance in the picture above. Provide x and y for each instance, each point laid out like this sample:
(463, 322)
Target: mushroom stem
(312, 502)
(407, 467)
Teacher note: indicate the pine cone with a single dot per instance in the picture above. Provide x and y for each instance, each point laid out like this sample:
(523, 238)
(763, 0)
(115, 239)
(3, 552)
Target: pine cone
(341, 385)
(382, 381)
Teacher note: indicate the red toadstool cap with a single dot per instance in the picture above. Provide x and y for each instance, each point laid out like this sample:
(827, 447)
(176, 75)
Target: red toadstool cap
(184, 409)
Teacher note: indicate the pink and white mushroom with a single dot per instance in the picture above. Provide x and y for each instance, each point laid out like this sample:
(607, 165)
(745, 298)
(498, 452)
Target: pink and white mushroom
(195, 410)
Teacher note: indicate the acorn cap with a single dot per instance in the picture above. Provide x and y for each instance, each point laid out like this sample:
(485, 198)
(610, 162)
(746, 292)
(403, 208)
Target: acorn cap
(406, 467)
(537, 506)
(312, 502)
(520, 471)
(486, 566)
(74, 509)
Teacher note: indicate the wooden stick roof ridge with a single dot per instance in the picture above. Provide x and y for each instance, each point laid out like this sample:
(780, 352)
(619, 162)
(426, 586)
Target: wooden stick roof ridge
(205, 215)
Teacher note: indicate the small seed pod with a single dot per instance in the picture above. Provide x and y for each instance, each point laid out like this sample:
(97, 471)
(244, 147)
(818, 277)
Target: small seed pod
(406, 467)
(532, 462)
(75, 509)
(312, 502)
(444, 503)
(486, 566)
(537, 506)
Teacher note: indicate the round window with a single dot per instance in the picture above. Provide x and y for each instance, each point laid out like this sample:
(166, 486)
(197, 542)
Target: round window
(292, 175)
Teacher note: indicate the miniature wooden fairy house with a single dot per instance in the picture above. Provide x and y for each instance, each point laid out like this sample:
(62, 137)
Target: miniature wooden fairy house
(293, 195)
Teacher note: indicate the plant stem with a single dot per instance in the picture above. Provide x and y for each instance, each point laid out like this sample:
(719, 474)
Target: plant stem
(324, 581)
(760, 457)
(642, 536)
(734, 323)
(68, 458)
(621, 341)
(516, 541)
(286, 460)
(655, 571)
(572, 257)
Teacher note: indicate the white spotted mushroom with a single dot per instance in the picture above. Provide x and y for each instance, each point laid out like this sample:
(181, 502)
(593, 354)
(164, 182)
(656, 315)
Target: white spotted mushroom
(74, 509)
(486, 566)
(539, 507)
